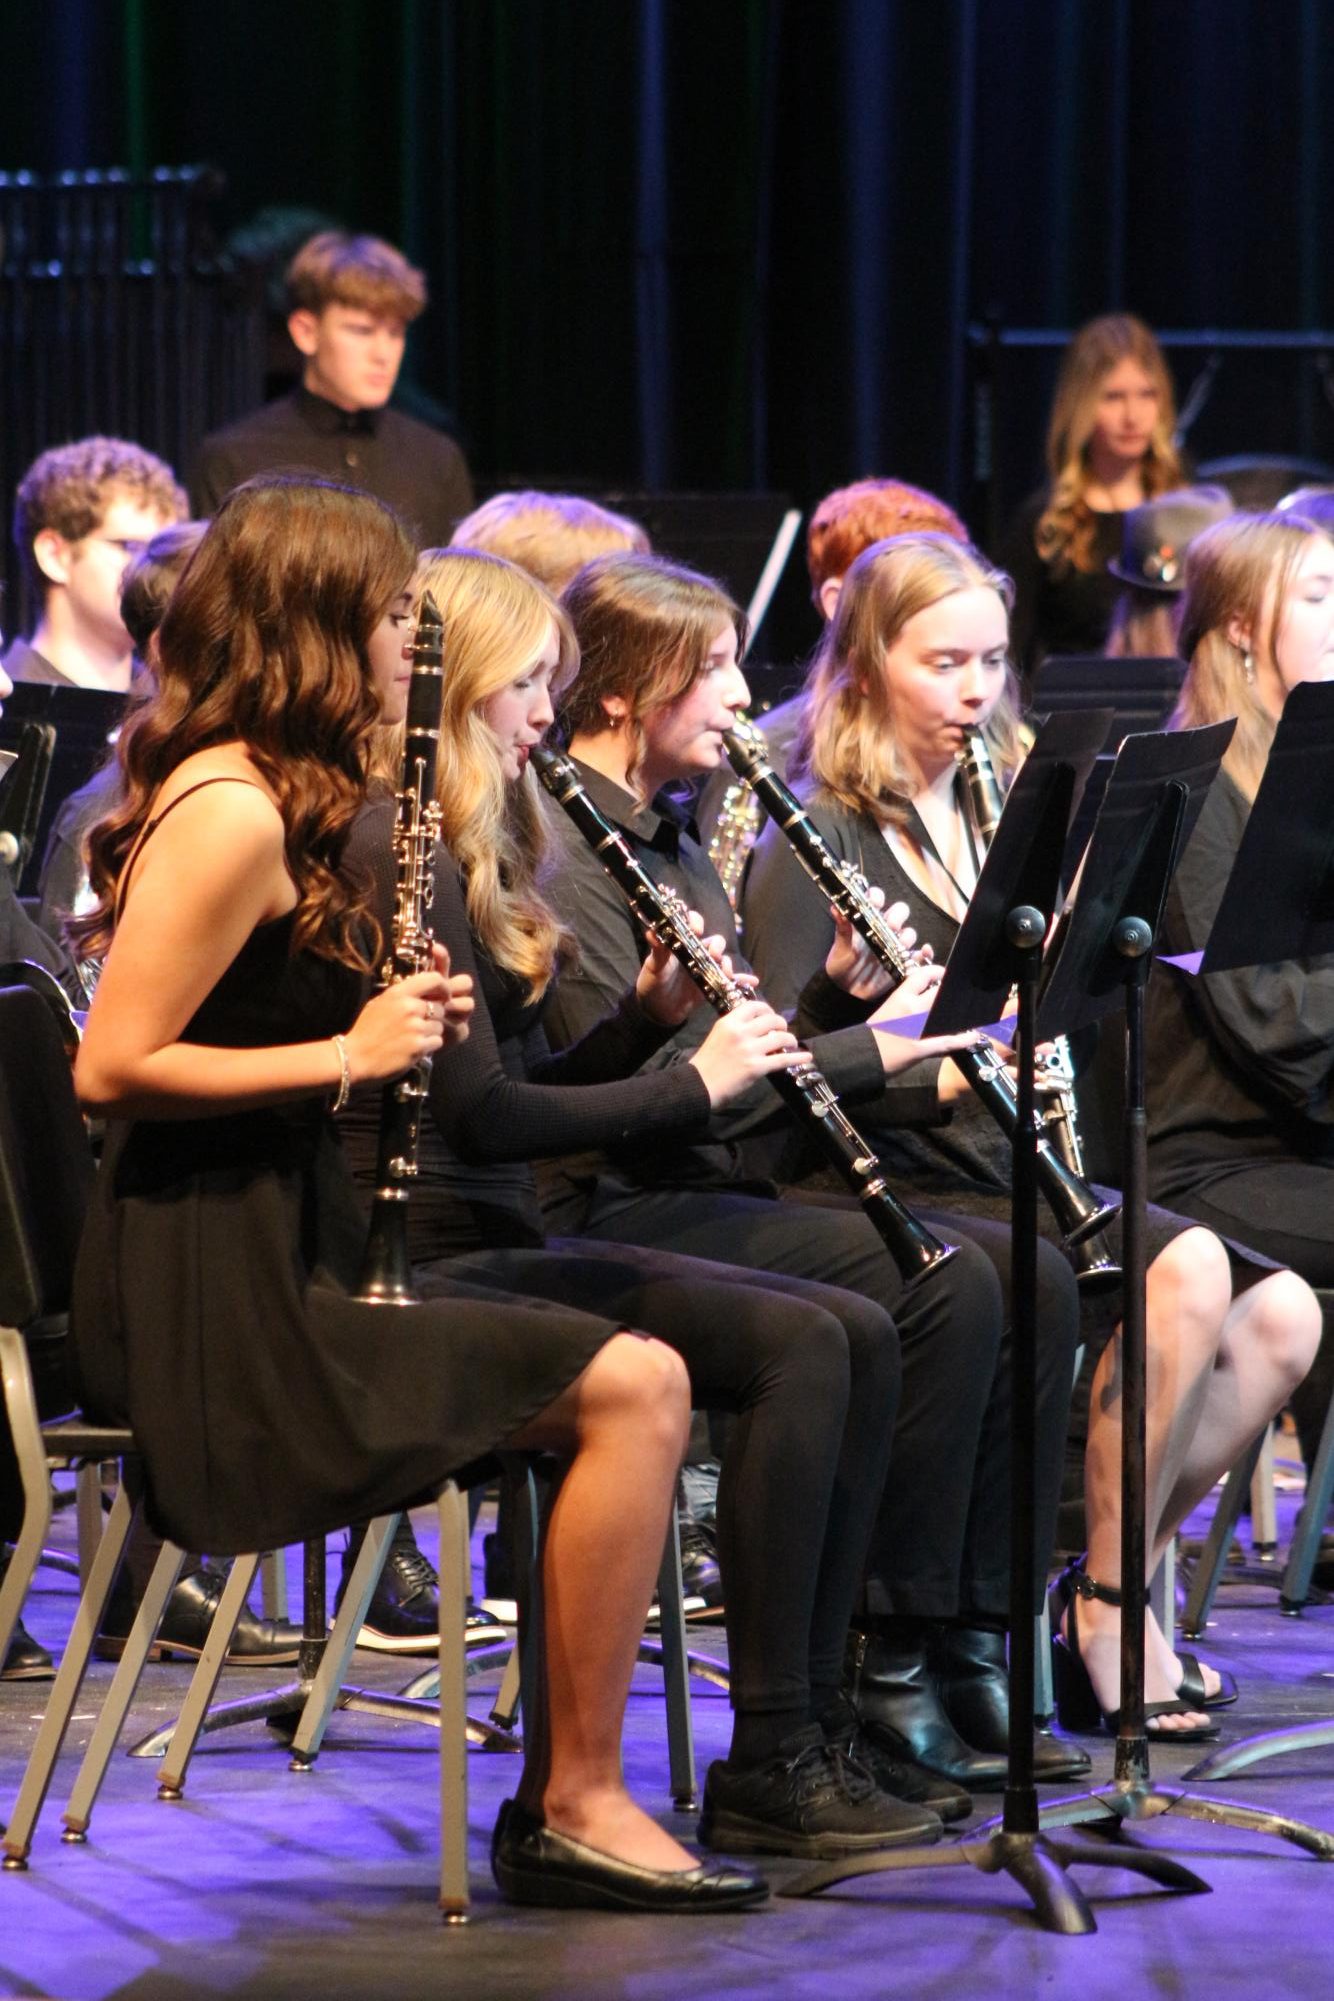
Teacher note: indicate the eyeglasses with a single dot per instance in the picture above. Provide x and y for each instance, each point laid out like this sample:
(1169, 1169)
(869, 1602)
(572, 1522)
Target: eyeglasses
(129, 545)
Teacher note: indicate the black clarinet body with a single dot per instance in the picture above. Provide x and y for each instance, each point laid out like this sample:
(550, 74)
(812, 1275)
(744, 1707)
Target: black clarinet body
(1078, 1210)
(386, 1268)
(806, 1093)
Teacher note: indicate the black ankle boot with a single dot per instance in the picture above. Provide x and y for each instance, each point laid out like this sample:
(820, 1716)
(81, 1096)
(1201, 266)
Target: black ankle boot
(968, 1665)
(899, 1708)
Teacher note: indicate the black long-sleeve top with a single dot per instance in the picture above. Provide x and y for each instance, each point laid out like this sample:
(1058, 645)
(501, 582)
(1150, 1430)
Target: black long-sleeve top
(746, 1137)
(1057, 608)
(943, 1151)
(503, 1098)
(417, 470)
(1241, 1064)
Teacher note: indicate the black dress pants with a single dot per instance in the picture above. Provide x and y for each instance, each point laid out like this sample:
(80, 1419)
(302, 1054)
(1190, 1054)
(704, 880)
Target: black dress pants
(940, 1544)
(811, 1374)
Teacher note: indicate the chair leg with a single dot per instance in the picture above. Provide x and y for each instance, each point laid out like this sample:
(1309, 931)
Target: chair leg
(88, 1492)
(124, 1682)
(20, 1400)
(273, 1584)
(68, 1682)
(1264, 1509)
(1163, 1593)
(1296, 1586)
(1044, 1695)
(1210, 1563)
(190, 1722)
(454, 1899)
(328, 1682)
(675, 1670)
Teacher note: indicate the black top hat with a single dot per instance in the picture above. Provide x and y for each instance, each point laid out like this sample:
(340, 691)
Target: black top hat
(1156, 535)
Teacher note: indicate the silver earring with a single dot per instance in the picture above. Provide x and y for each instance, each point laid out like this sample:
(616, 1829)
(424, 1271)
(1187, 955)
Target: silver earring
(1247, 664)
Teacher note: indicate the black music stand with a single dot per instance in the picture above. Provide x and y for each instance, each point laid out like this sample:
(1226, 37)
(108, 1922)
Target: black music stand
(999, 946)
(1278, 905)
(1152, 801)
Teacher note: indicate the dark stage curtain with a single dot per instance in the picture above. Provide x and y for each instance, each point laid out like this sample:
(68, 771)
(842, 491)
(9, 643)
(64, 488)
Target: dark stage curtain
(733, 243)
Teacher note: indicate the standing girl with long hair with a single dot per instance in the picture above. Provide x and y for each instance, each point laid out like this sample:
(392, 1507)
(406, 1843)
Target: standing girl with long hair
(1110, 447)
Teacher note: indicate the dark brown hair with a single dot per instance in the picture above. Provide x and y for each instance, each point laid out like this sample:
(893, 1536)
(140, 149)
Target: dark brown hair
(151, 577)
(644, 628)
(265, 643)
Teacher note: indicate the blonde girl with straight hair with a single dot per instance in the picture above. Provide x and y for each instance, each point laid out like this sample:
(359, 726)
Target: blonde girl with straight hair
(920, 643)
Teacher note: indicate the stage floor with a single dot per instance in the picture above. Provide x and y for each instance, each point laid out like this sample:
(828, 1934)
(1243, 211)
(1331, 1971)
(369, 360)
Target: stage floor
(261, 1882)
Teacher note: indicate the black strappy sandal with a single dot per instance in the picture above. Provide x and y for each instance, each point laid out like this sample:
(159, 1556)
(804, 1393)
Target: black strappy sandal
(1077, 1705)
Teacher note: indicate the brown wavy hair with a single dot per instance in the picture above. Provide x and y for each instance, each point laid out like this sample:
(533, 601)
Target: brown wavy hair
(846, 741)
(644, 628)
(1235, 572)
(265, 643)
(1065, 528)
(497, 619)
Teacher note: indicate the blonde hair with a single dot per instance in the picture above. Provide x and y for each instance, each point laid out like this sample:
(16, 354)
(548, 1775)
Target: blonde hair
(1065, 529)
(551, 535)
(847, 741)
(497, 620)
(644, 628)
(1234, 571)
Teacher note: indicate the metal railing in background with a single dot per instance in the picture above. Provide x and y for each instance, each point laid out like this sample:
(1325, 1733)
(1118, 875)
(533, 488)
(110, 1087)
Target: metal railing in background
(118, 315)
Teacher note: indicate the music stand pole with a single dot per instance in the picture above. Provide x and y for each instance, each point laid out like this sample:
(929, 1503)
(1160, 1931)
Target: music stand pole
(999, 945)
(1132, 891)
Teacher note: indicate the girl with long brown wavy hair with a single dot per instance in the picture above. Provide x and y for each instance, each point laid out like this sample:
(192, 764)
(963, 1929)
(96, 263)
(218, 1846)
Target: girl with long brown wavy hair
(213, 1307)
(918, 645)
(1110, 446)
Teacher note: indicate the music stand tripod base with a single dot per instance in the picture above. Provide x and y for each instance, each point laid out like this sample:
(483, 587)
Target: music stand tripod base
(1038, 1865)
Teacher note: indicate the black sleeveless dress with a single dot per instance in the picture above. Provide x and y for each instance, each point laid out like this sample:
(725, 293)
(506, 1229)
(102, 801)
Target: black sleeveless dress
(212, 1307)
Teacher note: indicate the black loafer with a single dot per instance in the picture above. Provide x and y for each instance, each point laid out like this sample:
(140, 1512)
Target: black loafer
(25, 1660)
(185, 1626)
(535, 1864)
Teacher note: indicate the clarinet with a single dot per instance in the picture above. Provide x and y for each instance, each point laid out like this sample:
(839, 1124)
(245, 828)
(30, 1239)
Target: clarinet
(806, 1093)
(386, 1269)
(1079, 1211)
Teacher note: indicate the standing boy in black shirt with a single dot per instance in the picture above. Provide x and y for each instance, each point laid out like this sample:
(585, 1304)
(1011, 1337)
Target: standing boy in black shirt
(352, 300)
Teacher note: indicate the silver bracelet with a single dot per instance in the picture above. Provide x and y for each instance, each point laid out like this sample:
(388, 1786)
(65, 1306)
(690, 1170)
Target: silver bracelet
(345, 1080)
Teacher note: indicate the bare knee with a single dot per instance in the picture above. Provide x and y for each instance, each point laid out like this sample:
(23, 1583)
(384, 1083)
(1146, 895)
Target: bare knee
(1281, 1314)
(1190, 1280)
(642, 1385)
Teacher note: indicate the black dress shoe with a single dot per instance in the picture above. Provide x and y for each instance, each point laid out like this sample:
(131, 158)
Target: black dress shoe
(185, 1625)
(25, 1660)
(535, 1864)
(807, 1800)
(899, 1709)
(969, 1667)
(403, 1616)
